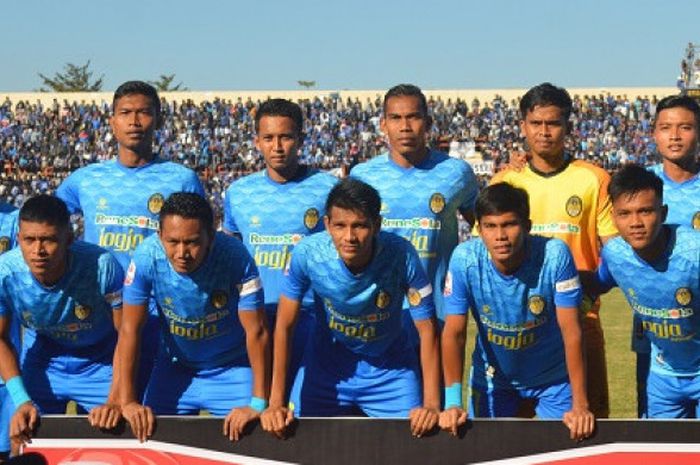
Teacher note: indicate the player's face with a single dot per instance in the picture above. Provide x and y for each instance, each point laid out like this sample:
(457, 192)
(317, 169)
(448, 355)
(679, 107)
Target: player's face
(278, 140)
(186, 242)
(45, 249)
(504, 237)
(353, 236)
(676, 134)
(405, 124)
(134, 122)
(639, 218)
(544, 129)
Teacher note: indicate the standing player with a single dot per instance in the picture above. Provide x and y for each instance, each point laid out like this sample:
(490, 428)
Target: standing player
(215, 352)
(421, 190)
(120, 199)
(666, 297)
(570, 202)
(67, 296)
(360, 356)
(272, 210)
(524, 294)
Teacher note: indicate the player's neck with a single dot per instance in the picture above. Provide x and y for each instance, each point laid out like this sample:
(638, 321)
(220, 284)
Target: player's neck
(681, 170)
(409, 160)
(547, 165)
(652, 252)
(511, 265)
(132, 159)
(284, 175)
(51, 277)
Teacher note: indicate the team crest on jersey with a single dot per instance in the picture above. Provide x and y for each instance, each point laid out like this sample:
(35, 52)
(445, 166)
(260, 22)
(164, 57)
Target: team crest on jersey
(447, 291)
(4, 244)
(155, 203)
(414, 297)
(82, 311)
(382, 300)
(536, 304)
(219, 299)
(683, 295)
(574, 206)
(696, 221)
(437, 203)
(311, 218)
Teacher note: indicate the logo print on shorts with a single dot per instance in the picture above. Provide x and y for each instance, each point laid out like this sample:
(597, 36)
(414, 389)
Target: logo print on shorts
(4, 244)
(536, 304)
(155, 203)
(219, 299)
(311, 218)
(437, 203)
(683, 295)
(382, 300)
(82, 311)
(696, 221)
(414, 297)
(574, 206)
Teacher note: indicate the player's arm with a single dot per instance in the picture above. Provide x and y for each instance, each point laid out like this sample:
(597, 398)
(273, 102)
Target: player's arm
(424, 419)
(454, 336)
(278, 416)
(25, 417)
(229, 225)
(258, 346)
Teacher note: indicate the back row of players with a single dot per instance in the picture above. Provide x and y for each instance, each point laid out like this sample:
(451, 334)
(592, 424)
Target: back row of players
(346, 289)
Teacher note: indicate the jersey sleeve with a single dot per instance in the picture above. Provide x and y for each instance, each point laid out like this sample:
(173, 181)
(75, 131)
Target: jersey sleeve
(112, 280)
(567, 285)
(250, 293)
(194, 185)
(296, 280)
(68, 192)
(229, 220)
(138, 281)
(603, 275)
(420, 291)
(456, 293)
(471, 189)
(604, 221)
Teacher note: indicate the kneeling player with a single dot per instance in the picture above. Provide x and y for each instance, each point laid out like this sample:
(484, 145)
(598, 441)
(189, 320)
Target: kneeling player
(524, 293)
(215, 352)
(67, 296)
(359, 357)
(657, 267)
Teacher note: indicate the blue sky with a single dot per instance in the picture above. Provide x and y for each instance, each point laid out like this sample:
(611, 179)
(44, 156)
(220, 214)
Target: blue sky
(354, 44)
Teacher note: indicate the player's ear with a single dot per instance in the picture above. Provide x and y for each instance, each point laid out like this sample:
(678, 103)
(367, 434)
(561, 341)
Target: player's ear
(327, 222)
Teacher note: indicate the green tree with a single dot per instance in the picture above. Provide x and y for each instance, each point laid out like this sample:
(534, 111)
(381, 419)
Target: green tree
(74, 78)
(307, 84)
(164, 84)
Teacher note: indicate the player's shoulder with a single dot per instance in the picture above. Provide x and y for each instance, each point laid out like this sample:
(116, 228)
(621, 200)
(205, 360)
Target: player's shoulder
(615, 247)
(176, 169)
(8, 209)
(150, 248)
(687, 240)
(578, 168)
(551, 248)
(468, 253)
(393, 242)
(228, 247)
(367, 167)
(323, 178)
(88, 252)
(657, 169)
(11, 260)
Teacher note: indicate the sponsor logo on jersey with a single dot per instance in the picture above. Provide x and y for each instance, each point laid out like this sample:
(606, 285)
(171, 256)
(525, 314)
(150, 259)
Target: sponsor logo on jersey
(311, 218)
(383, 299)
(219, 299)
(155, 203)
(574, 206)
(117, 220)
(696, 221)
(411, 223)
(683, 295)
(4, 244)
(535, 304)
(130, 273)
(274, 239)
(82, 311)
(437, 203)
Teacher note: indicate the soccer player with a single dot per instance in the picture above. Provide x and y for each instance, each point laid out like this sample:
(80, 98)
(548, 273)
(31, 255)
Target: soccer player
(422, 190)
(569, 201)
(120, 199)
(214, 353)
(524, 293)
(657, 267)
(272, 210)
(67, 296)
(360, 357)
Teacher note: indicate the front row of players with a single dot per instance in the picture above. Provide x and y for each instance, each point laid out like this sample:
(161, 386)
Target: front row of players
(523, 291)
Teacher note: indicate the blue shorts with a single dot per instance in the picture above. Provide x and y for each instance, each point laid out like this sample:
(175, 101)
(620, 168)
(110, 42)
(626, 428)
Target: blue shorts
(7, 408)
(175, 389)
(303, 333)
(334, 381)
(673, 396)
(552, 400)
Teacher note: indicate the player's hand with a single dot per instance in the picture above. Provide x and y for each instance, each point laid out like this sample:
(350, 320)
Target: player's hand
(422, 420)
(236, 420)
(580, 422)
(105, 416)
(23, 423)
(276, 419)
(140, 419)
(451, 419)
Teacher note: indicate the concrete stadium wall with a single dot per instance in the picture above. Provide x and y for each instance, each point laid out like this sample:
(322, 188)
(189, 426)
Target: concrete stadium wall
(46, 98)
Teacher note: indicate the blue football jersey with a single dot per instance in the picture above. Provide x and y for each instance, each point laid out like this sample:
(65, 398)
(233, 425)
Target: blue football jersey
(362, 311)
(273, 217)
(519, 343)
(664, 295)
(9, 224)
(120, 205)
(199, 310)
(683, 199)
(74, 313)
(421, 205)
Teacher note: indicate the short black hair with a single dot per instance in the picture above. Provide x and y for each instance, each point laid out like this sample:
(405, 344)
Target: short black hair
(501, 198)
(407, 90)
(546, 94)
(138, 88)
(678, 101)
(188, 205)
(45, 209)
(280, 107)
(353, 194)
(632, 179)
